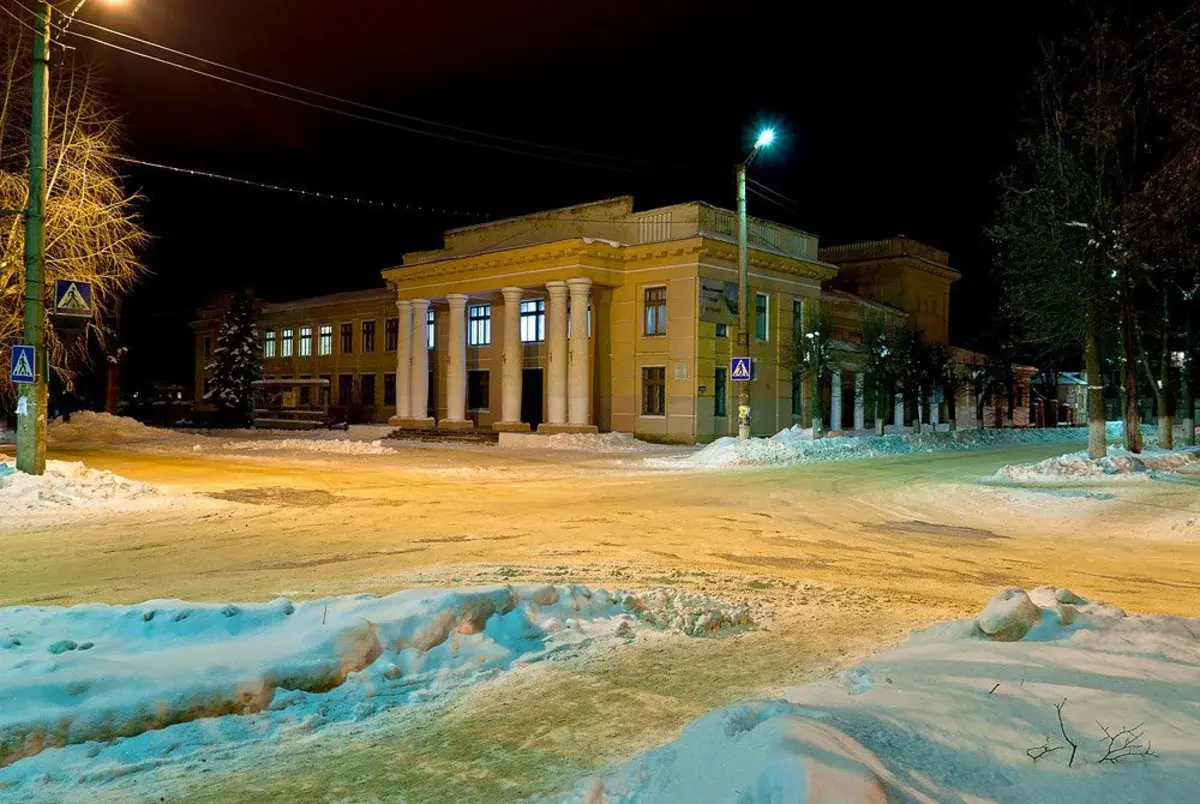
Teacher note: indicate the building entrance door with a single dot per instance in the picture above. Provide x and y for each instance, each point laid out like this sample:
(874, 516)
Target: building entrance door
(531, 397)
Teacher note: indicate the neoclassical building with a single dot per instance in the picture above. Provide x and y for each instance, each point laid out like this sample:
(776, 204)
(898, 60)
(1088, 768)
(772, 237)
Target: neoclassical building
(599, 317)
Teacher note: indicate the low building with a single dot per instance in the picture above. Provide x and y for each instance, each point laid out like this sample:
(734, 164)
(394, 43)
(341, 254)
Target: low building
(601, 318)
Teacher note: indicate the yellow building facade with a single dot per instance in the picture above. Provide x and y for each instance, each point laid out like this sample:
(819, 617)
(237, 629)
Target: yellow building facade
(597, 317)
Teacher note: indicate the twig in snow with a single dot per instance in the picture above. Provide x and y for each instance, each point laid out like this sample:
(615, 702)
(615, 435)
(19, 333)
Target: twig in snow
(1040, 751)
(1063, 727)
(1125, 743)
(994, 689)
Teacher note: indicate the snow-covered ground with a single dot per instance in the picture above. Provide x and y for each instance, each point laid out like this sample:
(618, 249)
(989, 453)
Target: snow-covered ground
(585, 442)
(91, 430)
(796, 446)
(1118, 463)
(955, 716)
(93, 693)
(71, 485)
(322, 445)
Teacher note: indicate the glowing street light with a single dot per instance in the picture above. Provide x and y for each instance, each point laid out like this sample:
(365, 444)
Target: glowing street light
(765, 138)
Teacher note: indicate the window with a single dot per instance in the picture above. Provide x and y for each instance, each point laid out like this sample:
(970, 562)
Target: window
(431, 329)
(347, 334)
(325, 340)
(391, 334)
(654, 391)
(797, 319)
(207, 386)
(269, 345)
(208, 347)
(655, 300)
(722, 330)
(345, 389)
(367, 395)
(289, 339)
(720, 392)
(305, 391)
(479, 390)
(761, 324)
(306, 341)
(368, 337)
(389, 389)
(1020, 397)
(533, 321)
(797, 394)
(479, 325)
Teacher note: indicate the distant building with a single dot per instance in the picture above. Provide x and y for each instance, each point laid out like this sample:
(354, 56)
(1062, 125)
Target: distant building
(485, 331)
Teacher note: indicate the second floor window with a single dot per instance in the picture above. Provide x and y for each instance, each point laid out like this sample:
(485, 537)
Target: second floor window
(208, 347)
(368, 335)
(431, 328)
(347, 338)
(325, 340)
(289, 340)
(761, 324)
(655, 300)
(797, 319)
(306, 341)
(269, 345)
(391, 334)
(533, 321)
(479, 325)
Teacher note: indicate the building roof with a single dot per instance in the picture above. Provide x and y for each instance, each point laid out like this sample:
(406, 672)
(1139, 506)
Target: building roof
(347, 297)
(833, 294)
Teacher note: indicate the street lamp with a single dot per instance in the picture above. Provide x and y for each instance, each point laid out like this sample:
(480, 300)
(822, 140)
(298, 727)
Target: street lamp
(33, 398)
(765, 138)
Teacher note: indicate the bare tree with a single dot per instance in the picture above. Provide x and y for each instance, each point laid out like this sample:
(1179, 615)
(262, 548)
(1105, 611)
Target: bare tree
(92, 231)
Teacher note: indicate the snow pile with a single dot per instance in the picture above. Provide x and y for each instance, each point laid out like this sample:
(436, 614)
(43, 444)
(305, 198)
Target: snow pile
(72, 485)
(599, 442)
(954, 716)
(328, 446)
(166, 674)
(1118, 462)
(91, 430)
(795, 446)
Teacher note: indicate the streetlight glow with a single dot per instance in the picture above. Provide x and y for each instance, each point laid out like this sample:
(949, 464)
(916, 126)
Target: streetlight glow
(765, 138)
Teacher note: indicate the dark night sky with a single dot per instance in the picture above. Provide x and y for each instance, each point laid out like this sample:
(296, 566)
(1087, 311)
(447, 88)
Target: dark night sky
(895, 118)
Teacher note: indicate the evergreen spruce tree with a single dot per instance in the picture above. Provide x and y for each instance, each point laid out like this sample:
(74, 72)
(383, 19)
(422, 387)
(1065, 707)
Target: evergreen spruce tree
(235, 364)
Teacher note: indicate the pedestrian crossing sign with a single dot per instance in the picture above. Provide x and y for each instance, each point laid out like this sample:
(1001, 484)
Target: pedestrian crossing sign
(23, 363)
(73, 298)
(740, 369)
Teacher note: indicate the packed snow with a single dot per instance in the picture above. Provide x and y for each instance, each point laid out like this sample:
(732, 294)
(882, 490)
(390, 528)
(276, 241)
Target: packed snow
(71, 485)
(584, 442)
(94, 692)
(796, 446)
(327, 446)
(91, 430)
(956, 715)
(1118, 463)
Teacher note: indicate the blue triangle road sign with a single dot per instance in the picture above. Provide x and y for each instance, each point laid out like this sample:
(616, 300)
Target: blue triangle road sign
(23, 364)
(740, 369)
(73, 298)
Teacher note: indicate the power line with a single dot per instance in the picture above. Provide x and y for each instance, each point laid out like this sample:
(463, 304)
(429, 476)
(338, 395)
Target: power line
(773, 192)
(357, 104)
(352, 115)
(297, 191)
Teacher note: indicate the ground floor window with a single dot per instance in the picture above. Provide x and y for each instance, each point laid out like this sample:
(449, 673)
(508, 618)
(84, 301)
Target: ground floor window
(654, 391)
(305, 391)
(367, 395)
(479, 390)
(721, 392)
(207, 386)
(797, 394)
(345, 389)
(389, 389)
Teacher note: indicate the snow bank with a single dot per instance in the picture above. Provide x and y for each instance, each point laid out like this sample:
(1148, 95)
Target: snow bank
(954, 716)
(1118, 463)
(166, 674)
(328, 446)
(796, 446)
(581, 442)
(92, 430)
(68, 485)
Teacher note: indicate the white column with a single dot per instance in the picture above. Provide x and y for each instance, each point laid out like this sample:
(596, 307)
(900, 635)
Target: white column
(835, 402)
(899, 413)
(579, 378)
(418, 403)
(403, 358)
(556, 375)
(860, 402)
(510, 384)
(456, 372)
